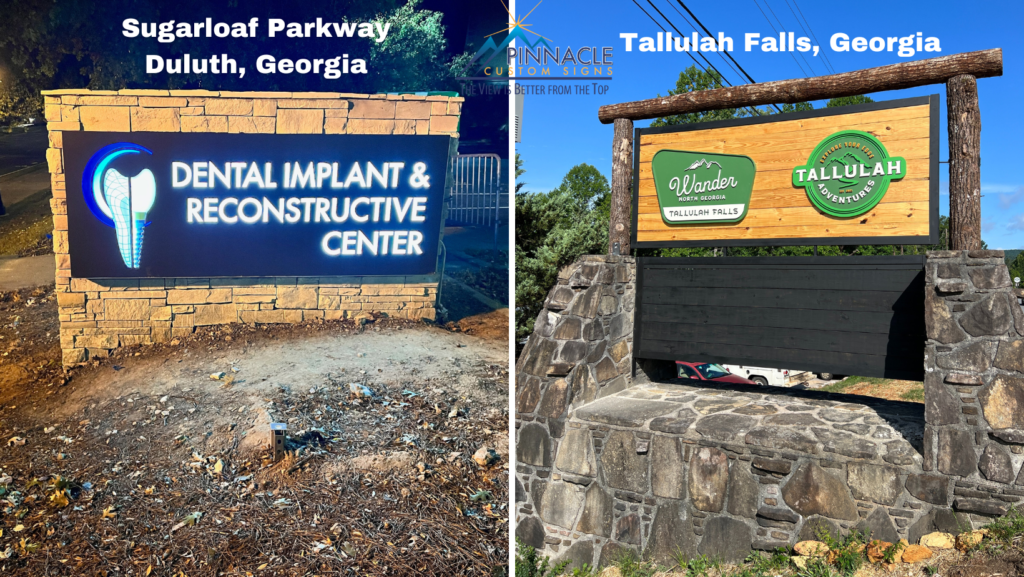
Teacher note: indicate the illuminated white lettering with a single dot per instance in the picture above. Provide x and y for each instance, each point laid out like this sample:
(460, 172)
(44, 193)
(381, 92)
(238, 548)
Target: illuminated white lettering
(396, 168)
(415, 238)
(322, 207)
(255, 216)
(301, 177)
(356, 216)
(371, 245)
(401, 209)
(377, 201)
(419, 205)
(306, 204)
(223, 177)
(373, 174)
(294, 212)
(209, 208)
(237, 167)
(334, 210)
(355, 175)
(269, 208)
(348, 241)
(198, 173)
(195, 206)
(323, 170)
(220, 210)
(334, 176)
(253, 176)
(179, 182)
(398, 246)
(385, 236)
(325, 244)
(268, 173)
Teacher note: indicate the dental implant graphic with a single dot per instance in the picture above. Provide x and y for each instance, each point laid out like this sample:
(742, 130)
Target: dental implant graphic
(129, 200)
(118, 201)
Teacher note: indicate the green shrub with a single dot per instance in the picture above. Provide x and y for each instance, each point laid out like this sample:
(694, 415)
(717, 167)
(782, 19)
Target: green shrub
(529, 563)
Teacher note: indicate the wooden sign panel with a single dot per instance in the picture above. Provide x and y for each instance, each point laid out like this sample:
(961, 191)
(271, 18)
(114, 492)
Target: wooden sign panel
(864, 174)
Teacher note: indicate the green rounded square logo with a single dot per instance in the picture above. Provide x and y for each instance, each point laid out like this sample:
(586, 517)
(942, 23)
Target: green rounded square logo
(700, 187)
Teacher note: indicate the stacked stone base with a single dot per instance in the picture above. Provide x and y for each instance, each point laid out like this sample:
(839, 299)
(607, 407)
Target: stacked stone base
(663, 468)
(96, 318)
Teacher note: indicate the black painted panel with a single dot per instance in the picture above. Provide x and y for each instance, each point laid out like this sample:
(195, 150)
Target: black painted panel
(844, 315)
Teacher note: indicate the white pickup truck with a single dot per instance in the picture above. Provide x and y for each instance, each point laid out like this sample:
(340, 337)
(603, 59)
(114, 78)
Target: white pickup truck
(774, 377)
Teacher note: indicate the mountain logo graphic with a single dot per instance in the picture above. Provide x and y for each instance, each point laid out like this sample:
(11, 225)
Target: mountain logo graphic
(494, 54)
(702, 187)
(118, 201)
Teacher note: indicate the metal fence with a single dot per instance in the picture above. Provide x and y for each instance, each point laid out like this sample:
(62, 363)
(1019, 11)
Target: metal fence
(479, 197)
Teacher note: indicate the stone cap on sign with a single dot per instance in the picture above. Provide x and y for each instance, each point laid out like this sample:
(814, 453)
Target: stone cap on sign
(237, 94)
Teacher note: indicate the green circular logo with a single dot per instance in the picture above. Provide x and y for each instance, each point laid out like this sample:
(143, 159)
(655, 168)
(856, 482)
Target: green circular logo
(848, 173)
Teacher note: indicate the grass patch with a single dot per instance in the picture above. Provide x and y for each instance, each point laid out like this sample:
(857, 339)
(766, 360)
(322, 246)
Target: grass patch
(630, 565)
(892, 389)
(915, 395)
(1008, 527)
(530, 563)
(851, 381)
(23, 231)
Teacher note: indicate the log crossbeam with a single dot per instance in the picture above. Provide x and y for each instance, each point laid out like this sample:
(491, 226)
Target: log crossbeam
(982, 64)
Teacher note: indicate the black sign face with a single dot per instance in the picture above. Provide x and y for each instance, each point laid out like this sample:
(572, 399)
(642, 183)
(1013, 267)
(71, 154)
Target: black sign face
(149, 204)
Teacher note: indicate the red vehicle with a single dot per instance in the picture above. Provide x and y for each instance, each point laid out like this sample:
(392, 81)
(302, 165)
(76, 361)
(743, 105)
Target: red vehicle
(708, 372)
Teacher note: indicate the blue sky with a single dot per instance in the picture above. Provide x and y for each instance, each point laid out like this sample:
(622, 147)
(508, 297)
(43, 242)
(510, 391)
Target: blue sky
(562, 131)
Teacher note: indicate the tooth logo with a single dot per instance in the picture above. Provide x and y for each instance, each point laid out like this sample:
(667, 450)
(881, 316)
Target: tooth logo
(118, 201)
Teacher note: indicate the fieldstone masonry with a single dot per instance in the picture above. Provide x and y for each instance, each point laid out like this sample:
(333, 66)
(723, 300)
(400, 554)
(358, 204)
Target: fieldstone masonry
(97, 316)
(609, 462)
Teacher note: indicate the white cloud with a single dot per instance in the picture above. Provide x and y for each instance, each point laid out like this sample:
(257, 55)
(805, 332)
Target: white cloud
(991, 188)
(1009, 199)
(1016, 223)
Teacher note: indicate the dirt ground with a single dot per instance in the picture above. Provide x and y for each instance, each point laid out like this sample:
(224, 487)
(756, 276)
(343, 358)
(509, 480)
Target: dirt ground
(157, 461)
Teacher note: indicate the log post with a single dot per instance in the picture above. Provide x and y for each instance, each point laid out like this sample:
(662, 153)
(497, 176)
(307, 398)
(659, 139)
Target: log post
(622, 194)
(964, 121)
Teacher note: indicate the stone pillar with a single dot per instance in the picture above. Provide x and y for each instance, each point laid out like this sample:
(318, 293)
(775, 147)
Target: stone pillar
(580, 350)
(974, 375)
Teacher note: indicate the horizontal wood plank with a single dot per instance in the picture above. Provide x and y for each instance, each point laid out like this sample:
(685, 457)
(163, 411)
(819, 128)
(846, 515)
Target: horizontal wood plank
(789, 298)
(902, 191)
(776, 162)
(820, 122)
(804, 340)
(824, 278)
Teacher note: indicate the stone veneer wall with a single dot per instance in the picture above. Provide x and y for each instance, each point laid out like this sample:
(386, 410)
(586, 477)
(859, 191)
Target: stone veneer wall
(99, 315)
(581, 346)
(605, 465)
(974, 372)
